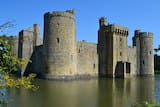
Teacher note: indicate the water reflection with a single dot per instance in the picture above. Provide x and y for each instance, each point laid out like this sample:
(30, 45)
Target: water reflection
(85, 93)
(79, 93)
(72, 93)
(123, 93)
(157, 87)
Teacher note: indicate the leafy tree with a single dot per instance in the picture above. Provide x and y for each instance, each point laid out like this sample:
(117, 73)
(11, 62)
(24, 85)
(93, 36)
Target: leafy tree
(9, 63)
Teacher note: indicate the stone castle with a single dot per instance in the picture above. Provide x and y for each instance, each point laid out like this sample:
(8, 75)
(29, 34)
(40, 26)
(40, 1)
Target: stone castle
(61, 56)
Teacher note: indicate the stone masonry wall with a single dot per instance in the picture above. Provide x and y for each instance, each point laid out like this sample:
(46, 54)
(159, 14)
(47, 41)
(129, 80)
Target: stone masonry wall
(146, 53)
(132, 59)
(61, 56)
(87, 58)
(37, 64)
(60, 44)
(14, 45)
(28, 40)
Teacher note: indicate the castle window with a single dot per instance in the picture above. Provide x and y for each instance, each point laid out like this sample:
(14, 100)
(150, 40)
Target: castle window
(143, 62)
(120, 39)
(120, 53)
(150, 52)
(79, 51)
(57, 40)
(94, 66)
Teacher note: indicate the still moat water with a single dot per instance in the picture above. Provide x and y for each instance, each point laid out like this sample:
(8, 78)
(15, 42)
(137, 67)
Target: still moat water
(87, 93)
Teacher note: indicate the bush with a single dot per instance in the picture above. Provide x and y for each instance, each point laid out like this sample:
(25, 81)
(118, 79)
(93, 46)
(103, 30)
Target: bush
(147, 104)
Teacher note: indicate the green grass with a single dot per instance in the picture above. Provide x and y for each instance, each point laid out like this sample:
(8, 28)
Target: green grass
(147, 104)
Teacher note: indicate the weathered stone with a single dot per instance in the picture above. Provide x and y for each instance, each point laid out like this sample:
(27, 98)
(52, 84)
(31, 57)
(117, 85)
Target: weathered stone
(117, 59)
(60, 49)
(62, 57)
(28, 40)
(145, 59)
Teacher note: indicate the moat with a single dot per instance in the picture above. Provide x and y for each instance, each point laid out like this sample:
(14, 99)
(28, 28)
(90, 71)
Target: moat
(88, 93)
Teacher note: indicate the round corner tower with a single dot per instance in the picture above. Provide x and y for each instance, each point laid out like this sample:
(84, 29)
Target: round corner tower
(60, 44)
(146, 53)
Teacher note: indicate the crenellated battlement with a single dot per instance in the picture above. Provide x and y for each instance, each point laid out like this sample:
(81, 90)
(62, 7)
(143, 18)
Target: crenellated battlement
(117, 29)
(120, 30)
(102, 22)
(67, 13)
(62, 57)
(138, 33)
(146, 35)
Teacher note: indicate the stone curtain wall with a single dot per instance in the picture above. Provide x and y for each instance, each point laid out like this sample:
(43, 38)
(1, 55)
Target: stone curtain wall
(132, 59)
(61, 56)
(87, 58)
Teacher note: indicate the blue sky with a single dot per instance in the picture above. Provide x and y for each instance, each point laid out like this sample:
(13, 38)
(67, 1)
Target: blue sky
(135, 14)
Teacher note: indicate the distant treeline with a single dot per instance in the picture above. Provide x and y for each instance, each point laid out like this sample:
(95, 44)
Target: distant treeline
(157, 63)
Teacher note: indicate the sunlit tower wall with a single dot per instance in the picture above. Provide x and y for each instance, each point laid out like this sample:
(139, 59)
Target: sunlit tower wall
(136, 43)
(119, 43)
(146, 53)
(36, 32)
(112, 49)
(145, 58)
(60, 49)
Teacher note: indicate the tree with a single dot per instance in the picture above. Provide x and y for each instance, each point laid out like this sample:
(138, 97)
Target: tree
(9, 63)
(6, 25)
(157, 49)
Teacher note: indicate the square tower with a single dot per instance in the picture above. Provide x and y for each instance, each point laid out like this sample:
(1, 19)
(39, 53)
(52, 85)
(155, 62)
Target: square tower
(112, 50)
